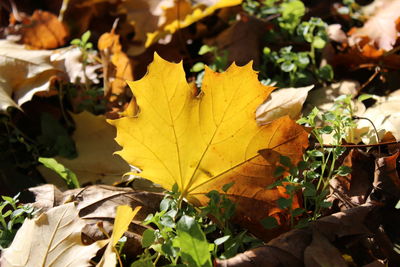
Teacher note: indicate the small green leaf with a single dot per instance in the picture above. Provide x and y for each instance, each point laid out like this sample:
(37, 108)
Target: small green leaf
(165, 204)
(325, 204)
(192, 243)
(343, 170)
(199, 66)
(284, 203)
(287, 66)
(284, 160)
(148, 238)
(204, 49)
(318, 42)
(221, 240)
(269, 223)
(85, 37)
(65, 173)
(226, 187)
(167, 221)
(315, 153)
(279, 170)
(298, 212)
(364, 97)
(326, 129)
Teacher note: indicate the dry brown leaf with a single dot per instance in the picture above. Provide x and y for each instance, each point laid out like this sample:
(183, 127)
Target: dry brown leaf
(353, 189)
(380, 29)
(302, 247)
(242, 40)
(95, 146)
(116, 65)
(43, 30)
(23, 73)
(98, 204)
(52, 239)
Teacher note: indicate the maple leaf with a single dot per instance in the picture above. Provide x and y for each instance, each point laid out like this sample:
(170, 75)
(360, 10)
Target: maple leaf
(204, 142)
(44, 31)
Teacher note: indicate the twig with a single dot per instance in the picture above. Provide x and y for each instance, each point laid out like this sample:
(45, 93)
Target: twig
(358, 146)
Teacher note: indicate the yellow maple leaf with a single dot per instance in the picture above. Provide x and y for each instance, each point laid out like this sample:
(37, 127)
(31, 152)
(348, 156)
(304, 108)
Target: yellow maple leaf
(204, 142)
(198, 13)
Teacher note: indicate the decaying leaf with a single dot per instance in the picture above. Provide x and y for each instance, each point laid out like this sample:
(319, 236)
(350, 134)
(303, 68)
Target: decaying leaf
(70, 60)
(123, 218)
(116, 65)
(380, 30)
(243, 41)
(385, 115)
(98, 204)
(23, 73)
(44, 31)
(52, 239)
(203, 142)
(93, 136)
(286, 101)
(353, 189)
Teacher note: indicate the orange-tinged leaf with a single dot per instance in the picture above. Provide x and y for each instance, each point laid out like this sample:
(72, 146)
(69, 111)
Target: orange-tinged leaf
(116, 64)
(44, 31)
(204, 142)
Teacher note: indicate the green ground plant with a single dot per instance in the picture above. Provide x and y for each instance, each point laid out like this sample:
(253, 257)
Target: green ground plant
(12, 215)
(183, 235)
(297, 64)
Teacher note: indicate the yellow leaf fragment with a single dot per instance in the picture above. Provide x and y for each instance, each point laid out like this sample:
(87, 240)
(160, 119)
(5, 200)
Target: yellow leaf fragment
(198, 13)
(123, 218)
(204, 142)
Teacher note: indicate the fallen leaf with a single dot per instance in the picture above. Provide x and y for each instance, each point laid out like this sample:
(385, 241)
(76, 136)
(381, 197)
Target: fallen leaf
(352, 190)
(43, 30)
(52, 239)
(386, 180)
(98, 204)
(123, 218)
(197, 14)
(243, 41)
(335, 33)
(23, 73)
(157, 19)
(380, 29)
(70, 60)
(204, 142)
(95, 163)
(310, 246)
(285, 101)
(116, 65)
(385, 115)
